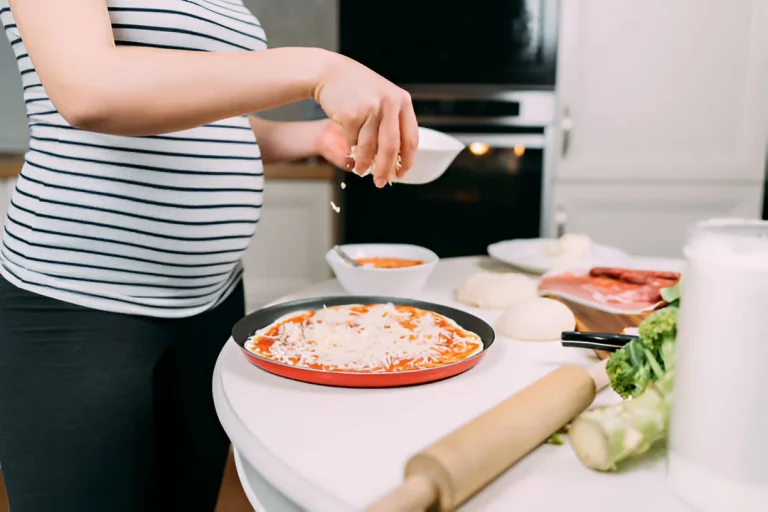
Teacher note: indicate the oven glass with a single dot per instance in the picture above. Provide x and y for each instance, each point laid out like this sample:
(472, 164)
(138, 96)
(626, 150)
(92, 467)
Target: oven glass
(493, 42)
(489, 194)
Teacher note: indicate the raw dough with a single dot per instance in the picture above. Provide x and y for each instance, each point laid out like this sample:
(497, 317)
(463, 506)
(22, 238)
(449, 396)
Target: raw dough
(536, 319)
(494, 290)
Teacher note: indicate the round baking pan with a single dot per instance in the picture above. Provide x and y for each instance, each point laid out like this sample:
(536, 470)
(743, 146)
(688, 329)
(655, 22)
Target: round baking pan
(261, 318)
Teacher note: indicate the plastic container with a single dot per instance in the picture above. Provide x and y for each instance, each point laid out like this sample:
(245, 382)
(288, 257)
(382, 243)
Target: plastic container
(718, 457)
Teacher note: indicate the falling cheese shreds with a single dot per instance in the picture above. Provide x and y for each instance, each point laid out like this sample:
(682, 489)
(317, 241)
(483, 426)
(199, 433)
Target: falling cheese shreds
(383, 338)
(371, 169)
(335, 208)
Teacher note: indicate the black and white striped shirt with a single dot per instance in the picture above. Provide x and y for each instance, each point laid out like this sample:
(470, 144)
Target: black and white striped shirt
(151, 225)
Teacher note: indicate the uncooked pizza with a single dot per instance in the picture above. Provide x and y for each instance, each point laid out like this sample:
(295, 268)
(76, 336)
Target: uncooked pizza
(365, 338)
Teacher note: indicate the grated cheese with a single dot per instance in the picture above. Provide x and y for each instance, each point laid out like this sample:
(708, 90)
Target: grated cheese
(365, 338)
(371, 169)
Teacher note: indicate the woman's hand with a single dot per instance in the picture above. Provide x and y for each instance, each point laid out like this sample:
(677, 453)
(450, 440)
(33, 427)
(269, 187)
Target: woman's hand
(331, 144)
(375, 115)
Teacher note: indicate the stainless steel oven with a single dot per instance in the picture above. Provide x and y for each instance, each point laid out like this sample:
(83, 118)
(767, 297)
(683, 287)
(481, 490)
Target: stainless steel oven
(508, 43)
(498, 188)
(484, 73)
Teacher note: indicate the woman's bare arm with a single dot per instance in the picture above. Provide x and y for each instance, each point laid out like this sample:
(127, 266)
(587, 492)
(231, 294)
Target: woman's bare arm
(297, 140)
(286, 141)
(98, 86)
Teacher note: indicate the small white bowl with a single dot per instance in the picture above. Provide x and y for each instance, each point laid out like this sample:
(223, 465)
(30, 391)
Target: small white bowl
(391, 282)
(436, 152)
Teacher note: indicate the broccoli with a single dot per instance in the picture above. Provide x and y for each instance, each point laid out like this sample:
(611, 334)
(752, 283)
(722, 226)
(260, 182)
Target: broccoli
(647, 357)
(643, 370)
(605, 436)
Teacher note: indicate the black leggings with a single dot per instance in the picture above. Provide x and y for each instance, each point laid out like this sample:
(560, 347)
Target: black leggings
(109, 412)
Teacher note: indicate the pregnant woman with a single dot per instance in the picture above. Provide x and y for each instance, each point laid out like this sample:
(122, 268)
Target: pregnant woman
(119, 267)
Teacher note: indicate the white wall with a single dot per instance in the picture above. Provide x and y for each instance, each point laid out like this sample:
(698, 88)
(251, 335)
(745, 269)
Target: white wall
(297, 23)
(13, 121)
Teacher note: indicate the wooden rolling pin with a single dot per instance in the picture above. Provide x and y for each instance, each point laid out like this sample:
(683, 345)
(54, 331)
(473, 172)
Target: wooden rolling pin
(446, 474)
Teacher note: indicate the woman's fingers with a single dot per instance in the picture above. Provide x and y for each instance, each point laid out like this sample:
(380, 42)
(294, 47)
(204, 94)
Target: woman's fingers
(339, 158)
(409, 136)
(382, 130)
(367, 145)
(352, 124)
(389, 143)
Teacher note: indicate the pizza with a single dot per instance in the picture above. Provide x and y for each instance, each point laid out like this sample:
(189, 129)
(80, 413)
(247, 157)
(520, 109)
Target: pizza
(365, 338)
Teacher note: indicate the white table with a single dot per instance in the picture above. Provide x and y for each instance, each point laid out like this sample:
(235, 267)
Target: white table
(323, 449)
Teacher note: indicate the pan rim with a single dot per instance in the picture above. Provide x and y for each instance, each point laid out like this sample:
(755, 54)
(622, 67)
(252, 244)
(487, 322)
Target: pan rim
(314, 303)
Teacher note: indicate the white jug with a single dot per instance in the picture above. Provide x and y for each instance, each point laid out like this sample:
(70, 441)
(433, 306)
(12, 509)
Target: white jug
(718, 454)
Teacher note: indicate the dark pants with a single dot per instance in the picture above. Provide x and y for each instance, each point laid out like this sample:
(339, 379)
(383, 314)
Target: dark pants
(109, 412)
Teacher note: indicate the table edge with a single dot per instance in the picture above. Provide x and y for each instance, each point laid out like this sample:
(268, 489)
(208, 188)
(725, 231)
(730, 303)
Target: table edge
(279, 474)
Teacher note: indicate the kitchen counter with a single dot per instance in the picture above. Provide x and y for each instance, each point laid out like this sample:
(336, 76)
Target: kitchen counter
(326, 449)
(10, 166)
(299, 171)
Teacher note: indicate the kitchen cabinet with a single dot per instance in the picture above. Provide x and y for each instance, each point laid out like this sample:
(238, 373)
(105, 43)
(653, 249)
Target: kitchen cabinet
(296, 229)
(651, 218)
(663, 91)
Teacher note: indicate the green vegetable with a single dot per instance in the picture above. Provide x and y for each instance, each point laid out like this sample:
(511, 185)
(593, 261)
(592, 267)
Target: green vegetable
(604, 437)
(646, 358)
(671, 295)
(643, 371)
(555, 439)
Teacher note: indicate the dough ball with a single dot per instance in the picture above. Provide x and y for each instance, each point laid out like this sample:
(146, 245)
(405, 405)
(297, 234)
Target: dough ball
(493, 290)
(536, 319)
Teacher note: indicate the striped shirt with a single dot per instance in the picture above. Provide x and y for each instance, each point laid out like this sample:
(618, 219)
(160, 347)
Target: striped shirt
(154, 225)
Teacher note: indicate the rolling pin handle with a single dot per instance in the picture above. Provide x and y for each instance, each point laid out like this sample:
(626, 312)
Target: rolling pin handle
(417, 494)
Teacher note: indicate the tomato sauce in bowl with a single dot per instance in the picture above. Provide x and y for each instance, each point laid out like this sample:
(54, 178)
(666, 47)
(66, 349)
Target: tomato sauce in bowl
(384, 270)
(382, 262)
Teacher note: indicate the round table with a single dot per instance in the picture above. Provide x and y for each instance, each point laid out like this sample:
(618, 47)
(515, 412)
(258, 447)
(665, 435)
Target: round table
(322, 449)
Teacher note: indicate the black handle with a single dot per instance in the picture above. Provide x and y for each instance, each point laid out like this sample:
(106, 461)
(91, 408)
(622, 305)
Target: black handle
(608, 342)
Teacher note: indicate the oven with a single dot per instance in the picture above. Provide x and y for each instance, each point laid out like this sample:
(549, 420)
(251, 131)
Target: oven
(507, 43)
(498, 188)
(484, 73)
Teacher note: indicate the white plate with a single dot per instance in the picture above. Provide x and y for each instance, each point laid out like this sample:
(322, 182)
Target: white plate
(649, 263)
(530, 254)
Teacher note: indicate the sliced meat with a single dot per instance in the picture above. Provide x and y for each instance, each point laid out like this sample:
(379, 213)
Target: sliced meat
(606, 272)
(634, 277)
(618, 287)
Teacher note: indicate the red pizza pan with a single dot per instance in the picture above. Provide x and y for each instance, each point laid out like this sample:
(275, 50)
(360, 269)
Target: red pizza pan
(261, 318)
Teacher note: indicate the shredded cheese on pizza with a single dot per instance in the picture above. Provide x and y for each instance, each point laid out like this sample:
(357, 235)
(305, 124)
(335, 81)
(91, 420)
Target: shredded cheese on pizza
(368, 338)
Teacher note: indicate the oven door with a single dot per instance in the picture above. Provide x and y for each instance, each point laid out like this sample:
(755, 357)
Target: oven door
(487, 42)
(491, 192)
